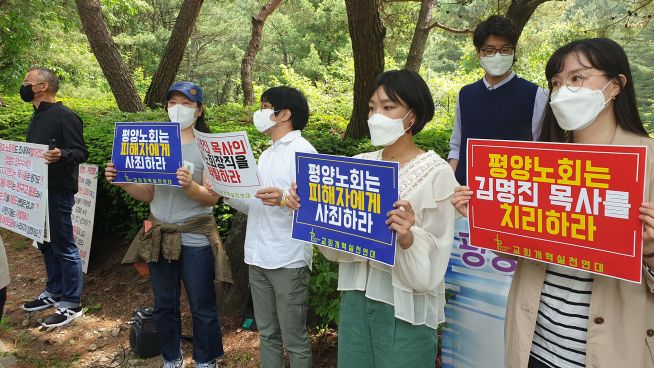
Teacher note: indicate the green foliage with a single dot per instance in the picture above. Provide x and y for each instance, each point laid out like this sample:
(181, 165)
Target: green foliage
(324, 299)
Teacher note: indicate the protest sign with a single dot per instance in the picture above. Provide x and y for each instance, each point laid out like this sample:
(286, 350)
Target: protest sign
(23, 188)
(230, 163)
(477, 282)
(147, 153)
(84, 211)
(567, 204)
(344, 204)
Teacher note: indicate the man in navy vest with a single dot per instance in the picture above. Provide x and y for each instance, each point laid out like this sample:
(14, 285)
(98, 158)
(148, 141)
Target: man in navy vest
(499, 106)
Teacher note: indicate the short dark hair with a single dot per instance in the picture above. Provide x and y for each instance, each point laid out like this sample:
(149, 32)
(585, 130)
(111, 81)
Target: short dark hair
(289, 98)
(49, 76)
(409, 87)
(498, 26)
(609, 57)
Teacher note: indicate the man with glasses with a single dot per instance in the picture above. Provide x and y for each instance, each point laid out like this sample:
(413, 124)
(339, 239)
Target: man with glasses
(499, 106)
(55, 125)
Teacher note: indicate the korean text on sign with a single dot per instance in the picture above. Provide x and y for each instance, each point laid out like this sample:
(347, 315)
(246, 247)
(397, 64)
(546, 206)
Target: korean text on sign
(147, 153)
(344, 204)
(23, 189)
(230, 163)
(571, 205)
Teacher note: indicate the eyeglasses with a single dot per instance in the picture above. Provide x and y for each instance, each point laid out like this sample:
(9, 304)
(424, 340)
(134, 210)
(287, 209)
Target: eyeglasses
(491, 51)
(573, 82)
(32, 84)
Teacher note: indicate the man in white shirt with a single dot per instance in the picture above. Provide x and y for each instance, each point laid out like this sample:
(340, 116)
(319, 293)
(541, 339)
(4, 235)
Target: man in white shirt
(278, 265)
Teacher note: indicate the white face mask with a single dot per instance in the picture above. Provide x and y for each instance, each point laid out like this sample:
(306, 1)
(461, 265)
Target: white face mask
(577, 110)
(183, 115)
(496, 65)
(385, 131)
(262, 120)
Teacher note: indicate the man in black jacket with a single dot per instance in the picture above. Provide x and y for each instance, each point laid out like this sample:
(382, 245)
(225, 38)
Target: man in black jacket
(57, 126)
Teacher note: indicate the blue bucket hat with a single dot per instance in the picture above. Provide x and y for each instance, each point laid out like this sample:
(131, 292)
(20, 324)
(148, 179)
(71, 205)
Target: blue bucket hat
(191, 90)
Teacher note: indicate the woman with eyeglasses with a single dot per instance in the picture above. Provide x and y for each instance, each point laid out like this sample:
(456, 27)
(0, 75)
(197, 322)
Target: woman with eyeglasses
(560, 317)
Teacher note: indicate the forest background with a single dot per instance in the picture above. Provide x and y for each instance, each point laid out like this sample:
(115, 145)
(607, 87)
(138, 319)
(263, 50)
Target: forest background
(116, 58)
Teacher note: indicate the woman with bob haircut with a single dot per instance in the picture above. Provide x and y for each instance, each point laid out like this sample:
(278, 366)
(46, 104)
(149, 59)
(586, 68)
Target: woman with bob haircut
(561, 317)
(389, 315)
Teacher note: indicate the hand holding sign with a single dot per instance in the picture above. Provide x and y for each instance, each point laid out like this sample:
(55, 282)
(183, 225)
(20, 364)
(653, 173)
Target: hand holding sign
(110, 173)
(270, 196)
(52, 156)
(647, 217)
(293, 200)
(401, 219)
(461, 198)
(184, 177)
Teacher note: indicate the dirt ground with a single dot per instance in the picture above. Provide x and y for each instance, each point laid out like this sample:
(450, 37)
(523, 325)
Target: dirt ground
(100, 339)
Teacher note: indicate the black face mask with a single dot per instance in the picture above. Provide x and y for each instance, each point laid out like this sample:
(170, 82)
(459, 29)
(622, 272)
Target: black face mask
(26, 93)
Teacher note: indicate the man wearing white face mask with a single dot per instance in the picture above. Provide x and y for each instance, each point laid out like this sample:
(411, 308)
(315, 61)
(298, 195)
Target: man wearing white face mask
(278, 265)
(499, 106)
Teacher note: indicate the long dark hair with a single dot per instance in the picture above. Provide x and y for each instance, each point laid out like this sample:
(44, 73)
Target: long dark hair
(605, 55)
(200, 123)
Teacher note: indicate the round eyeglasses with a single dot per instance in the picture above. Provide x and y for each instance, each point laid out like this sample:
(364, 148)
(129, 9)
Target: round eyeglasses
(573, 82)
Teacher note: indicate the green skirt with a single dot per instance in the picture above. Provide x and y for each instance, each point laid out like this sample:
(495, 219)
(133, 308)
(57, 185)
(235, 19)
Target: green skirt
(369, 336)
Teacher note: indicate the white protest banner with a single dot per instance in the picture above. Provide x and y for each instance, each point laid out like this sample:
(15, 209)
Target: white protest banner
(84, 211)
(230, 163)
(23, 188)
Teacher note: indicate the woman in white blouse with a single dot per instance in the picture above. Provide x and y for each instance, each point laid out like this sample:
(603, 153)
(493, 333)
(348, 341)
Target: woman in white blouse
(389, 315)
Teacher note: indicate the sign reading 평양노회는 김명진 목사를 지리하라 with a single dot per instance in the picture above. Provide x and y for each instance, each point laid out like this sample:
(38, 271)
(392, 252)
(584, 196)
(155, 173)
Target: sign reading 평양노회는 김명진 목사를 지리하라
(344, 202)
(147, 153)
(572, 205)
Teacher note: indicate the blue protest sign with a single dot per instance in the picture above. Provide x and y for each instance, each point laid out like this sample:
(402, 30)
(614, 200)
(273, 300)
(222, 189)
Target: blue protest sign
(147, 153)
(344, 204)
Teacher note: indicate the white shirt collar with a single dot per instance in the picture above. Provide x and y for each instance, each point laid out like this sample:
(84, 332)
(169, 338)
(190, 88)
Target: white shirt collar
(505, 81)
(289, 137)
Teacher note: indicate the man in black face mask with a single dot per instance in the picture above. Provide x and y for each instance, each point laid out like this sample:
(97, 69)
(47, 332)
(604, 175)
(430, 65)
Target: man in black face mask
(58, 127)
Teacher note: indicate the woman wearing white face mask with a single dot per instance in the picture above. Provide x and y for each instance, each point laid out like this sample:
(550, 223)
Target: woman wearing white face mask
(559, 317)
(389, 315)
(196, 243)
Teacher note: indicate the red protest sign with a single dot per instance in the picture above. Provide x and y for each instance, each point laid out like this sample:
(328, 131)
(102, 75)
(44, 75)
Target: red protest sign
(567, 204)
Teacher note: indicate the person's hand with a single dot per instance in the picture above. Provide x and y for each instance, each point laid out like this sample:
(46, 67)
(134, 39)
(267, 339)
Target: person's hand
(207, 184)
(293, 200)
(52, 156)
(270, 196)
(647, 217)
(461, 198)
(184, 178)
(110, 173)
(401, 219)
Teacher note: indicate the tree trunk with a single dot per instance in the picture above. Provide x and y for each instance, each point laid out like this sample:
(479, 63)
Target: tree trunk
(420, 36)
(233, 301)
(174, 53)
(521, 10)
(105, 51)
(253, 47)
(367, 34)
